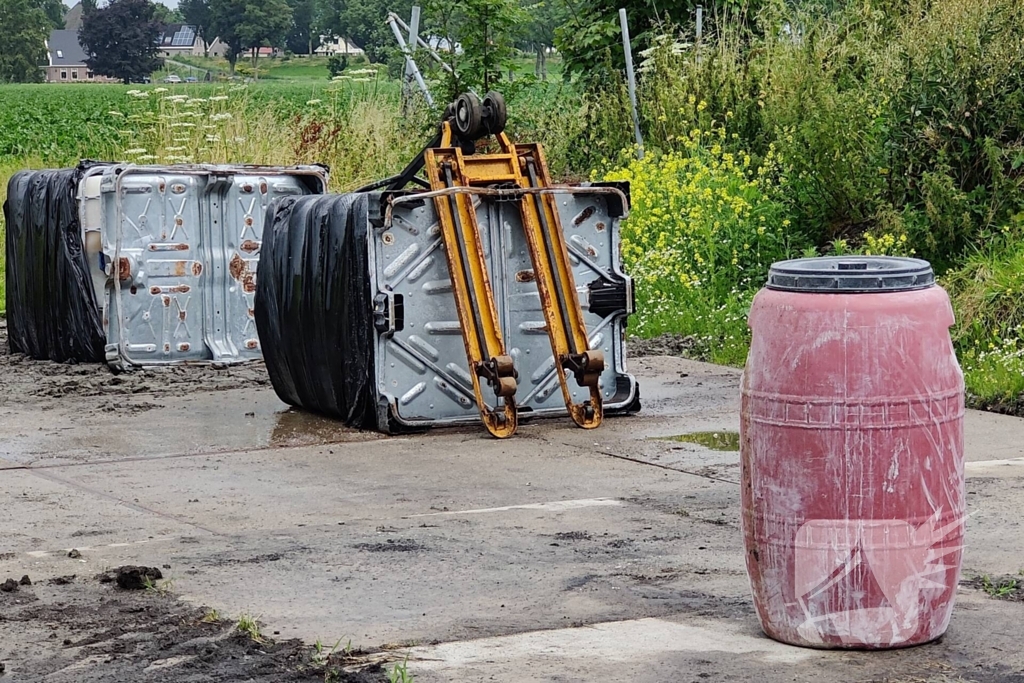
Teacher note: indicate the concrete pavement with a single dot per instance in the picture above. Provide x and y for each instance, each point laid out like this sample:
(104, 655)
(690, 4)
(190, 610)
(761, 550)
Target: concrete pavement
(560, 554)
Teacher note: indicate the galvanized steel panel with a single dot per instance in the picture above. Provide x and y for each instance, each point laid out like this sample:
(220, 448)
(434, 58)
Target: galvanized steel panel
(421, 369)
(180, 249)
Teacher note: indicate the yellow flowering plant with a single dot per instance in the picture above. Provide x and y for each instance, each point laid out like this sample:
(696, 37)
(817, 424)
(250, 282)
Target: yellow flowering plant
(704, 227)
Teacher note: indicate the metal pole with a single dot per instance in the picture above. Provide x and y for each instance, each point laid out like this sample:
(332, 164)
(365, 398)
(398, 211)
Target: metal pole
(700, 21)
(414, 27)
(631, 80)
(408, 54)
(422, 43)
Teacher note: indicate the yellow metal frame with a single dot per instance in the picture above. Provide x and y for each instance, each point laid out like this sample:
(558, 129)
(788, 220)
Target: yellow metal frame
(471, 284)
(522, 166)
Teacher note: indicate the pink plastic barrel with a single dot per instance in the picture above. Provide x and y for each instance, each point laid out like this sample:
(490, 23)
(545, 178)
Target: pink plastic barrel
(852, 454)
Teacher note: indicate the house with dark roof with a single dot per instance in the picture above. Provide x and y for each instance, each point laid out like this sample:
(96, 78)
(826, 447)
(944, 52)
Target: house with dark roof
(73, 18)
(66, 60)
(180, 39)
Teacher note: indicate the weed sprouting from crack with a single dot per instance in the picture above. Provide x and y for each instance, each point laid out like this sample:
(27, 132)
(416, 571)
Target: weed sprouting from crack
(250, 626)
(400, 673)
(212, 616)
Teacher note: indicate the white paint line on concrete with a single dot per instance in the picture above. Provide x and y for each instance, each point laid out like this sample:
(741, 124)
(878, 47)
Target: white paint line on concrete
(85, 548)
(556, 506)
(985, 464)
(620, 641)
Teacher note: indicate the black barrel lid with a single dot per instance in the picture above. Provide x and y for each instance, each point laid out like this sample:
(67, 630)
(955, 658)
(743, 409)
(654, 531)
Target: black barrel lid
(851, 274)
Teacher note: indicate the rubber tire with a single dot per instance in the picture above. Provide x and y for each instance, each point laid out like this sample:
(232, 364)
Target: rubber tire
(495, 114)
(468, 119)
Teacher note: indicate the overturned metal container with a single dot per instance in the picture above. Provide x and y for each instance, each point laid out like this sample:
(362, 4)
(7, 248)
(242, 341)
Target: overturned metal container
(162, 259)
(401, 364)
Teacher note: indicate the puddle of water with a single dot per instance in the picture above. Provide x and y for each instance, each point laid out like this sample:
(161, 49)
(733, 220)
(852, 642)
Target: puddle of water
(716, 441)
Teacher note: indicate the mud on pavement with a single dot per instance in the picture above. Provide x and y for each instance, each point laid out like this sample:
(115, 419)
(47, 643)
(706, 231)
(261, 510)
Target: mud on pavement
(78, 629)
(27, 381)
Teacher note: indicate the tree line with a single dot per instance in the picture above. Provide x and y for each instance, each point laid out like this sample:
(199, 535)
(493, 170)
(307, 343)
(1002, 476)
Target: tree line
(122, 35)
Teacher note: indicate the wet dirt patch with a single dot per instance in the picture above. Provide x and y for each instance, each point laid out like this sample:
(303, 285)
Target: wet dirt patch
(392, 545)
(27, 381)
(662, 345)
(87, 632)
(572, 536)
(1005, 587)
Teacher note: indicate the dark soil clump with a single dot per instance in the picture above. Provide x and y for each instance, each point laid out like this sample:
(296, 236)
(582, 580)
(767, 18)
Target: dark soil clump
(663, 345)
(95, 634)
(1000, 587)
(133, 578)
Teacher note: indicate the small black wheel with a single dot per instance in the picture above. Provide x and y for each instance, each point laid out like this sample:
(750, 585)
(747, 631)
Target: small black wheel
(495, 114)
(469, 114)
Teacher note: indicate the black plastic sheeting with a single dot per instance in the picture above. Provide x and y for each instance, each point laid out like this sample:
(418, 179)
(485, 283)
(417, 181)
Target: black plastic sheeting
(51, 308)
(314, 311)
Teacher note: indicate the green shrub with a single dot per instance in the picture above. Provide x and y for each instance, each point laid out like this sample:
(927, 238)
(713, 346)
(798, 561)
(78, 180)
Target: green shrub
(705, 225)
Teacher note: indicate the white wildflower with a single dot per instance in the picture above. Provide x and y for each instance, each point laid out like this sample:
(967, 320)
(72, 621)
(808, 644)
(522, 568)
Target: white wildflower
(135, 150)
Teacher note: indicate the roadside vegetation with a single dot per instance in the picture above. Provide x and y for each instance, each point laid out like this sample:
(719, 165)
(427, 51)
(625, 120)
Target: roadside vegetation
(789, 129)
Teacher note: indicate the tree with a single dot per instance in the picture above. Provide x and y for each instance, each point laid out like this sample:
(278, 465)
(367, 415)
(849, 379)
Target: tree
(165, 15)
(363, 23)
(197, 13)
(544, 16)
(486, 31)
(121, 39)
(264, 23)
(54, 10)
(591, 32)
(24, 27)
(224, 18)
(300, 37)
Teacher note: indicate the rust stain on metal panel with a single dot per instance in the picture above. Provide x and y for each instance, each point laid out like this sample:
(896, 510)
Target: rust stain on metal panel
(197, 268)
(600, 226)
(250, 246)
(177, 188)
(174, 289)
(252, 313)
(179, 268)
(133, 289)
(167, 347)
(584, 215)
(592, 251)
(248, 220)
(184, 346)
(251, 344)
(239, 269)
(525, 276)
(182, 315)
(247, 188)
(124, 269)
(162, 186)
(263, 187)
(167, 301)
